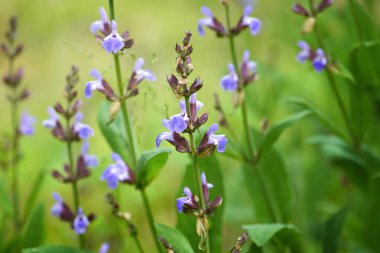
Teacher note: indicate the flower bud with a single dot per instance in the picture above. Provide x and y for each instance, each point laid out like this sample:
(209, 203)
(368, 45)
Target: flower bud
(186, 39)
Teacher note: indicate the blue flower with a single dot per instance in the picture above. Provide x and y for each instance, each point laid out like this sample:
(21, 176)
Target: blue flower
(57, 209)
(230, 82)
(99, 25)
(254, 24)
(117, 172)
(319, 60)
(93, 85)
(177, 123)
(187, 200)
(84, 131)
(90, 160)
(143, 73)
(113, 43)
(52, 121)
(247, 68)
(305, 52)
(104, 248)
(219, 140)
(211, 22)
(26, 125)
(205, 187)
(81, 222)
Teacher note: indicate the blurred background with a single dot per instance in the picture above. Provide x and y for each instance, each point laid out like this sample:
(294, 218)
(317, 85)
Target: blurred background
(56, 35)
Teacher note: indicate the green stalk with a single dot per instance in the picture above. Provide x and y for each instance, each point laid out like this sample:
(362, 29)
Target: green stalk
(262, 184)
(197, 173)
(81, 237)
(138, 244)
(128, 130)
(334, 87)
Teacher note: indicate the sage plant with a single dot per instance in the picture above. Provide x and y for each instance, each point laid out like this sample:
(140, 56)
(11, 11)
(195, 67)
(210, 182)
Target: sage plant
(188, 122)
(122, 171)
(71, 130)
(21, 125)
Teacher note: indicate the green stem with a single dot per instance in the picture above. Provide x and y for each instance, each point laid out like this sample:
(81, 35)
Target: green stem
(128, 130)
(262, 184)
(81, 238)
(197, 173)
(138, 244)
(150, 219)
(334, 87)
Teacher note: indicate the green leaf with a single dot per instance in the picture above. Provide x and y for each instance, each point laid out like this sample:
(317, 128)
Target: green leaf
(322, 117)
(34, 231)
(175, 238)
(54, 249)
(186, 223)
(261, 234)
(276, 130)
(150, 164)
(113, 131)
(34, 191)
(332, 230)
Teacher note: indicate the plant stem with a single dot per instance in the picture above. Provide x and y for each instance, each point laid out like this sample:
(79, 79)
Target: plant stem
(197, 173)
(138, 243)
(250, 145)
(150, 219)
(330, 77)
(81, 237)
(128, 130)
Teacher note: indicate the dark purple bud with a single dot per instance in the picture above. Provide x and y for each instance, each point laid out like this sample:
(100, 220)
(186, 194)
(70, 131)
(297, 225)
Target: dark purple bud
(5, 50)
(59, 109)
(24, 94)
(58, 132)
(214, 204)
(200, 121)
(189, 50)
(197, 85)
(180, 143)
(133, 93)
(128, 43)
(186, 39)
(177, 88)
(108, 91)
(82, 170)
(57, 175)
(18, 50)
(178, 49)
(181, 68)
(324, 4)
(15, 79)
(76, 106)
(300, 10)
(91, 217)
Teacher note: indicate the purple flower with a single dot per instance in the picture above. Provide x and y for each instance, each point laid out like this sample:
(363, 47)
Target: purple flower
(84, 131)
(104, 248)
(247, 68)
(143, 73)
(116, 172)
(188, 200)
(193, 100)
(113, 43)
(81, 222)
(254, 24)
(230, 82)
(211, 22)
(90, 160)
(26, 125)
(219, 140)
(57, 209)
(99, 25)
(305, 52)
(52, 121)
(177, 123)
(320, 60)
(205, 187)
(94, 85)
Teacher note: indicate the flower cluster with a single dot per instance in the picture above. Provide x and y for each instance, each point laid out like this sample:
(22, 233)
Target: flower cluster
(247, 74)
(188, 121)
(214, 24)
(78, 221)
(301, 10)
(106, 31)
(70, 131)
(317, 57)
(189, 204)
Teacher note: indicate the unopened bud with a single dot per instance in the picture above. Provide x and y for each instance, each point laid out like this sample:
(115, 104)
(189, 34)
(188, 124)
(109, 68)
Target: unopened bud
(308, 25)
(186, 39)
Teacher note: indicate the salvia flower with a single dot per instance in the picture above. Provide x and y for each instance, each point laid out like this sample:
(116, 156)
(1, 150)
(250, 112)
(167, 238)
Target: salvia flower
(113, 43)
(211, 22)
(84, 131)
(81, 222)
(254, 24)
(318, 57)
(190, 203)
(230, 82)
(117, 172)
(57, 208)
(219, 140)
(26, 125)
(104, 248)
(95, 84)
(138, 75)
(176, 123)
(90, 160)
(52, 121)
(102, 24)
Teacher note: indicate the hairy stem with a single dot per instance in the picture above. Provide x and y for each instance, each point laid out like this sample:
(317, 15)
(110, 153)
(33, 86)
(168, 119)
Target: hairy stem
(250, 145)
(81, 237)
(128, 130)
(197, 173)
(334, 87)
